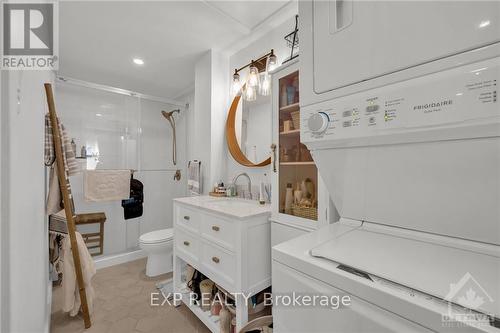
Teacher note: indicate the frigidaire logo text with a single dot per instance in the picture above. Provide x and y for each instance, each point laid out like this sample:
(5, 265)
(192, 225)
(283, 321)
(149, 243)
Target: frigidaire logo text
(433, 105)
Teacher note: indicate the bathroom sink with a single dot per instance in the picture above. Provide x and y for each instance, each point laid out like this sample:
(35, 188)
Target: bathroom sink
(234, 207)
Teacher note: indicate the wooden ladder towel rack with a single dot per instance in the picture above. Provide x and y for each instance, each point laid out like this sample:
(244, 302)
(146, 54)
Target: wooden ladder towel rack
(68, 202)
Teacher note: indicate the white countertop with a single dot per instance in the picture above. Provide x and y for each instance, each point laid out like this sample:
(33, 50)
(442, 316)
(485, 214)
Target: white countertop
(233, 207)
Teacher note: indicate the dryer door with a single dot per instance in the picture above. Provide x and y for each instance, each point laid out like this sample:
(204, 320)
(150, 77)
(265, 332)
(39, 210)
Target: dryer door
(356, 41)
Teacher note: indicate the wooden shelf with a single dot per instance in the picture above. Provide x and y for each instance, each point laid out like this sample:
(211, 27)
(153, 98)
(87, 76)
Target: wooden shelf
(292, 132)
(290, 107)
(298, 163)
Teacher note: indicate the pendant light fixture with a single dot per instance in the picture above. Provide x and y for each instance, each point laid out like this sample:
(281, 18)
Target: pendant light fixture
(250, 93)
(236, 83)
(258, 79)
(265, 84)
(272, 62)
(253, 76)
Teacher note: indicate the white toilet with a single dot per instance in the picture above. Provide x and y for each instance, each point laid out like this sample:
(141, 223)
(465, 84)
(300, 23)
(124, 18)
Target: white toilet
(158, 245)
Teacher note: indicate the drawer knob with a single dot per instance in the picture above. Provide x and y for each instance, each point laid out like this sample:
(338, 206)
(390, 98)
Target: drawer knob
(186, 218)
(186, 243)
(215, 228)
(215, 260)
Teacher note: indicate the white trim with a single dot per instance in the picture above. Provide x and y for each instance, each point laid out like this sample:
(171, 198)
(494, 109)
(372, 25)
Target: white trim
(86, 84)
(239, 25)
(292, 225)
(117, 259)
(264, 27)
(48, 309)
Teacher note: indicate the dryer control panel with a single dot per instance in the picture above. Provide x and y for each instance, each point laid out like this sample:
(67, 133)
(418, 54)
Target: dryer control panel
(453, 98)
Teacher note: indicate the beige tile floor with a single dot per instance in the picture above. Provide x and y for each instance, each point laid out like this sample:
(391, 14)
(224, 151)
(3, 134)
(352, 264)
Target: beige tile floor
(122, 305)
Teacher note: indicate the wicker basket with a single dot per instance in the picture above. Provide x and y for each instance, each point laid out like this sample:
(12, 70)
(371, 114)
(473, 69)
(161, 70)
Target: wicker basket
(295, 119)
(305, 212)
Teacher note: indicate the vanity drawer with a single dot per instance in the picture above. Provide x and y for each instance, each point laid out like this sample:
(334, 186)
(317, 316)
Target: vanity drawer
(220, 231)
(186, 244)
(187, 218)
(221, 263)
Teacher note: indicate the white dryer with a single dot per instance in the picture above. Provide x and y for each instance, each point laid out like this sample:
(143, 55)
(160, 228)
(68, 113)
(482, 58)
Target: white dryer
(410, 152)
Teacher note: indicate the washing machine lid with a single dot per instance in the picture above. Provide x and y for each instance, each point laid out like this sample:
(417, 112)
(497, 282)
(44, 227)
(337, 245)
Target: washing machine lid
(440, 266)
(157, 236)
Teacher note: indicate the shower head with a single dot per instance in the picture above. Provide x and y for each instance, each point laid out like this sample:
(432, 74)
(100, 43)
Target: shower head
(171, 120)
(168, 115)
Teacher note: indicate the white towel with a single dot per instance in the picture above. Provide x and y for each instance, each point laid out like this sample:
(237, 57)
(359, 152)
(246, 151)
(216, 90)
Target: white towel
(70, 287)
(194, 177)
(106, 185)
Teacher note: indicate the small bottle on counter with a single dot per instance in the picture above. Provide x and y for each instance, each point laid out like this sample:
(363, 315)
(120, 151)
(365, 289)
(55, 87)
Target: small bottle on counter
(83, 151)
(73, 146)
(262, 199)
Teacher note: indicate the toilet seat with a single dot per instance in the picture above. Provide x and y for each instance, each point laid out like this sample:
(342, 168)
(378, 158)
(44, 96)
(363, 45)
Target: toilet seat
(157, 236)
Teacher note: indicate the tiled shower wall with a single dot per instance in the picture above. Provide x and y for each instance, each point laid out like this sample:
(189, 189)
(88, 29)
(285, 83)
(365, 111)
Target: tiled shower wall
(126, 133)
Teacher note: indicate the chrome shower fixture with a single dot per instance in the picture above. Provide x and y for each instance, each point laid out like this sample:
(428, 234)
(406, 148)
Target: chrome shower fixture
(171, 120)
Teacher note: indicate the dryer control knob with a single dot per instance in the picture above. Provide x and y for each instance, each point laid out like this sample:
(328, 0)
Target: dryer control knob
(318, 122)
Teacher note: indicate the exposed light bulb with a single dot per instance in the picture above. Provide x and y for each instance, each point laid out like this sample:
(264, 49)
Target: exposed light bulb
(138, 61)
(272, 62)
(253, 76)
(236, 83)
(250, 93)
(484, 24)
(265, 85)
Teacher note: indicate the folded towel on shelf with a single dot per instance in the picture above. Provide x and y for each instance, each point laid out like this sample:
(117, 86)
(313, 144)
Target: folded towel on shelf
(106, 185)
(194, 177)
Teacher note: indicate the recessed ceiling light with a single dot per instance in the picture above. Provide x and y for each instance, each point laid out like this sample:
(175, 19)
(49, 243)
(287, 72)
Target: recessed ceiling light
(98, 114)
(484, 24)
(138, 61)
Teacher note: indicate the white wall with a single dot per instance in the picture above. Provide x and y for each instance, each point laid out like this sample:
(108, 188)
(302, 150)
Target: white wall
(201, 119)
(23, 198)
(274, 39)
(3, 231)
(208, 116)
(220, 86)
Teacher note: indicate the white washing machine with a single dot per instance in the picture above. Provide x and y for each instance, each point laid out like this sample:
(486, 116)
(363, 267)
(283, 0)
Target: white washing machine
(409, 148)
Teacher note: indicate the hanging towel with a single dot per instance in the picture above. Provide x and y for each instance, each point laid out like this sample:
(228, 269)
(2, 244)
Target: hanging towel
(58, 223)
(70, 164)
(132, 207)
(106, 185)
(71, 295)
(194, 177)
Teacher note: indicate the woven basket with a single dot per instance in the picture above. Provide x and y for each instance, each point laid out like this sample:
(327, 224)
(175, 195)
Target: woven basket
(305, 212)
(295, 119)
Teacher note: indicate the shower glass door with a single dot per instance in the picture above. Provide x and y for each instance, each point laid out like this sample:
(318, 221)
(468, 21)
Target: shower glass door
(122, 132)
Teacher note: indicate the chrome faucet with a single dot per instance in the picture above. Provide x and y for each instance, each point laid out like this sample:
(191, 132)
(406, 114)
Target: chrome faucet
(244, 174)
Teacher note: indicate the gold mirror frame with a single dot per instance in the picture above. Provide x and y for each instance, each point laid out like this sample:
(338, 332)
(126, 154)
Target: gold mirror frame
(232, 141)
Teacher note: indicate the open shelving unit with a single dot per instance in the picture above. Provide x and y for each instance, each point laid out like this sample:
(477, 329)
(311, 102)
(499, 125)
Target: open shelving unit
(297, 172)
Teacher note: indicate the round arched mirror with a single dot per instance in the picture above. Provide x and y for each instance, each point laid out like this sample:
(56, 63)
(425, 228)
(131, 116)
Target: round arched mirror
(248, 131)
